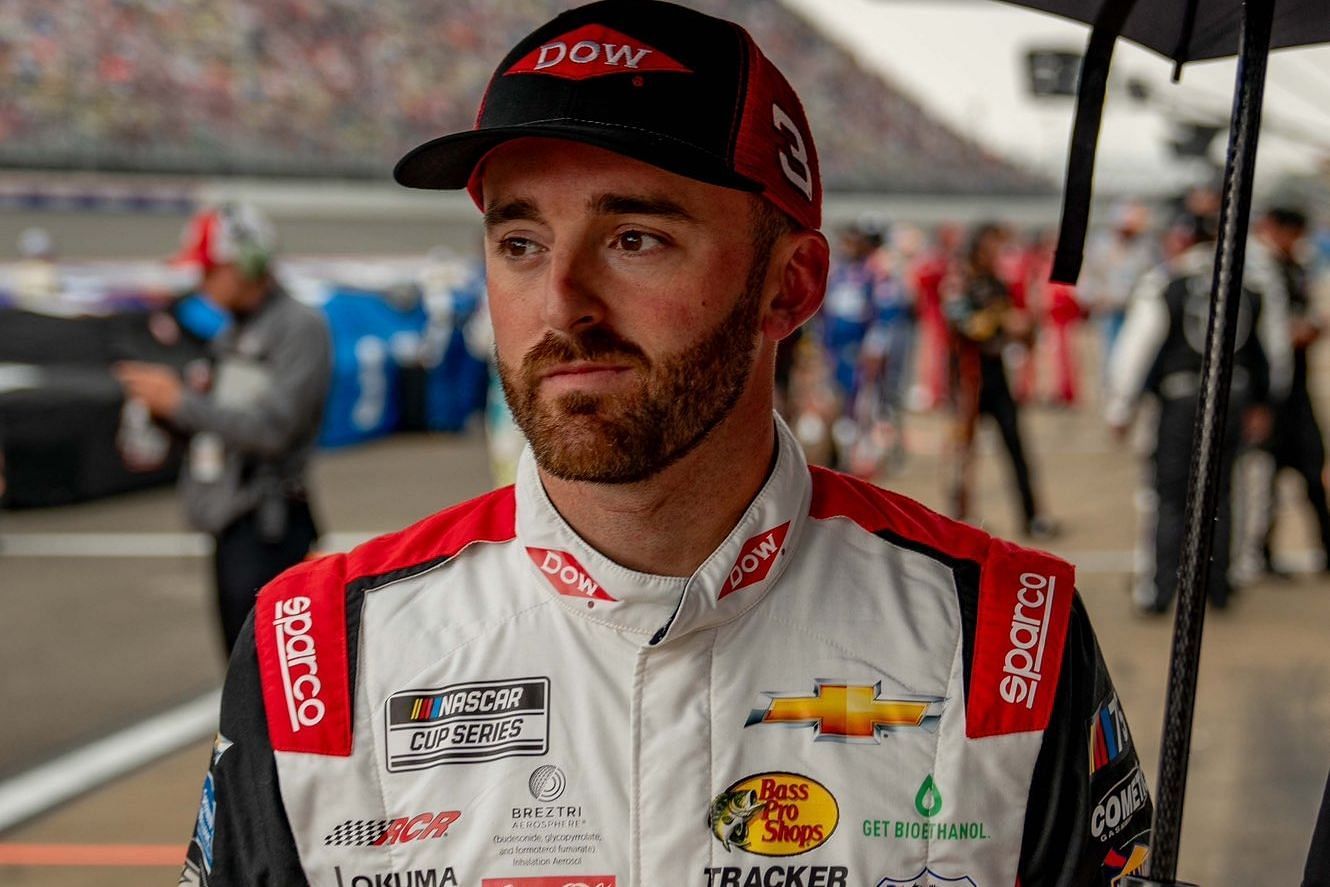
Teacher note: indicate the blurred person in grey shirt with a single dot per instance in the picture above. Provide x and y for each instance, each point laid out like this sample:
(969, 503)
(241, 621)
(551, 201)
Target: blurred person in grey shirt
(1114, 263)
(252, 422)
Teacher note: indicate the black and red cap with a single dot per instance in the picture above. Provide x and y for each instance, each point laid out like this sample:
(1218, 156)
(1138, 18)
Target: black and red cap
(661, 83)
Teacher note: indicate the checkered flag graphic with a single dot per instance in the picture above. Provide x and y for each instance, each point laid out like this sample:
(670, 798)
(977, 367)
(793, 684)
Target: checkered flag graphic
(356, 833)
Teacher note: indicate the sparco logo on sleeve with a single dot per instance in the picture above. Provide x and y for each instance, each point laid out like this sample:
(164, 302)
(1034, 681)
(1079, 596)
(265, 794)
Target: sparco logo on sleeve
(296, 658)
(1025, 609)
(467, 723)
(1022, 669)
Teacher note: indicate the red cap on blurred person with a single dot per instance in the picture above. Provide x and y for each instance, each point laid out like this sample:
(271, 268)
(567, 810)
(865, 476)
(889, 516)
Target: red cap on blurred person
(233, 233)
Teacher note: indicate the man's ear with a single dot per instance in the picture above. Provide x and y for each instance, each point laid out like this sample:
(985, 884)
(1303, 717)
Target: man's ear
(799, 271)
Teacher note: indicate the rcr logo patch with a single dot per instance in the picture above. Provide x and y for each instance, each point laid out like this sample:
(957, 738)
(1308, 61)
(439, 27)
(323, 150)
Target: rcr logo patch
(385, 832)
(594, 51)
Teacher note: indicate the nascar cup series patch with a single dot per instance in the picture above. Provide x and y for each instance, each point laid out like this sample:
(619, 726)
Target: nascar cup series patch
(774, 814)
(467, 723)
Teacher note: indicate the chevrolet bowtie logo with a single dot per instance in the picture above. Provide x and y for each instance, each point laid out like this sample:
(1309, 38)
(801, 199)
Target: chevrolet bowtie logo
(848, 712)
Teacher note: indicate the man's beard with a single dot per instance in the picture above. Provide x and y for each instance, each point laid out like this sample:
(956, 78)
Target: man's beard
(627, 437)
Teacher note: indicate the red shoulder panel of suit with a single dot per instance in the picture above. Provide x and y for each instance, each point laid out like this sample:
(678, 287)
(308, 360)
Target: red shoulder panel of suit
(1024, 608)
(300, 620)
(877, 510)
(488, 518)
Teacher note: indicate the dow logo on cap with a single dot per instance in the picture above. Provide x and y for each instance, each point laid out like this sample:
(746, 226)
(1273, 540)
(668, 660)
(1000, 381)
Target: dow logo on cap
(594, 51)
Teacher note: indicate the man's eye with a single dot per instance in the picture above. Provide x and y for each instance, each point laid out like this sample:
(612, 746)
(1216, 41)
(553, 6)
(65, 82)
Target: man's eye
(517, 247)
(636, 242)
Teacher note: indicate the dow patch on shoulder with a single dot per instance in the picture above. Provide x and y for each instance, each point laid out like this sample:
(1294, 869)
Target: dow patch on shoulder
(467, 723)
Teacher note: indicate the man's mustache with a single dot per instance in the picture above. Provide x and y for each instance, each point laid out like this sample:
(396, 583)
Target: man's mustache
(598, 343)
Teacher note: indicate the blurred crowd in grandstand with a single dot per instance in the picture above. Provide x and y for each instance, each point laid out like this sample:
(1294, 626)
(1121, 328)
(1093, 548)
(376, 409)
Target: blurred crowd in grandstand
(342, 87)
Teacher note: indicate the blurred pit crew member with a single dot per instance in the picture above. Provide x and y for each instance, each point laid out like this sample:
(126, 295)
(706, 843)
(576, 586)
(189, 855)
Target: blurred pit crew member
(252, 425)
(983, 323)
(1115, 261)
(1295, 442)
(1160, 352)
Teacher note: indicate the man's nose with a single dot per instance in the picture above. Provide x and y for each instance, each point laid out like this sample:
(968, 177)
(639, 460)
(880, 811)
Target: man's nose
(571, 300)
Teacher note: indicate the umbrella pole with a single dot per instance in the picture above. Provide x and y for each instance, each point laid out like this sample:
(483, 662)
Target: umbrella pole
(1208, 461)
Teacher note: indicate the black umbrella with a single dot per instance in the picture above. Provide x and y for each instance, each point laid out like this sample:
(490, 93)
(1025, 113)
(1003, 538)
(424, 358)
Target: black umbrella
(1186, 30)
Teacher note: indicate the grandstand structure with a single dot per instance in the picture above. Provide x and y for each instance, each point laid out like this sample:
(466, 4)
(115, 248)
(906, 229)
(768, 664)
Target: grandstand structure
(340, 88)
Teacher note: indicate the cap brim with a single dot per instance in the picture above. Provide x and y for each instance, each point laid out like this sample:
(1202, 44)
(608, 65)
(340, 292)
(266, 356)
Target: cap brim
(447, 163)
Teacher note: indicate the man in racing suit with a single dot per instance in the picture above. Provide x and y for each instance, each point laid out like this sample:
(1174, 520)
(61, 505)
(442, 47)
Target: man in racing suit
(1161, 352)
(672, 653)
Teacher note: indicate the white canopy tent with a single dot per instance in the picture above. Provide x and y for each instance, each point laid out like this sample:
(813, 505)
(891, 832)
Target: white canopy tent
(966, 62)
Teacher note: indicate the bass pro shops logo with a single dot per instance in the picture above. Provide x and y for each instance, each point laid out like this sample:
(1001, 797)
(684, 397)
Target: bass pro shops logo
(843, 712)
(594, 51)
(299, 666)
(774, 814)
(1023, 666)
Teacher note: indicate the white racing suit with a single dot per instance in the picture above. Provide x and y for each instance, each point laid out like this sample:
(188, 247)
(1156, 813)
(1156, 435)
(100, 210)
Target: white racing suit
(852, 691)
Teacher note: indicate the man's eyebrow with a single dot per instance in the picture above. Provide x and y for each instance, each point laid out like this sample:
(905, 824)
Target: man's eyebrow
(512, 211)
(639, 205)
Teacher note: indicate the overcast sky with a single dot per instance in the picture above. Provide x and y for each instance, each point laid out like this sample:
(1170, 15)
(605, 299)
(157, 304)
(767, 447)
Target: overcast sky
(964, 60)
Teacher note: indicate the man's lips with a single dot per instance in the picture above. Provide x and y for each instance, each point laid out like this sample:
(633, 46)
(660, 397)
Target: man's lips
(583, 375)
(582, 369)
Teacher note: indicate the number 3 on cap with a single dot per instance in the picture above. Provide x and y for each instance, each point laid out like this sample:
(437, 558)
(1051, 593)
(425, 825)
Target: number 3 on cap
(796, 166)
